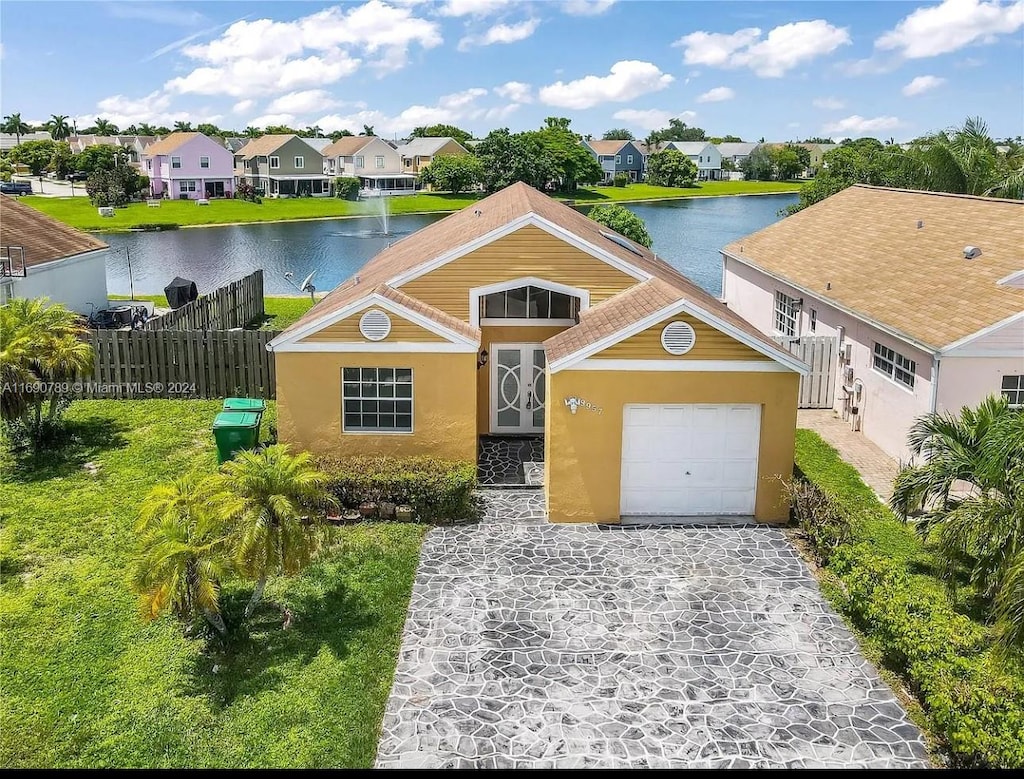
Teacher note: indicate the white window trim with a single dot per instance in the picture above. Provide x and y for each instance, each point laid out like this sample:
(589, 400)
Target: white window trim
(892, 377)
(1019, 389)
(490, 322)
(172, 162)
(412, 407)
(378, 161)
(477, 293)
(274, 162)
(360, 160)
(629, 159)
(201, 165)
(618, 159)
(793, 315)
(682, 364)
(300, 162)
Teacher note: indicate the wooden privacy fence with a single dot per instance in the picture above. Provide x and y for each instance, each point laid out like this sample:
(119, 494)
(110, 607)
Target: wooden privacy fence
(817, 388)
(233, 305)
(180, 364)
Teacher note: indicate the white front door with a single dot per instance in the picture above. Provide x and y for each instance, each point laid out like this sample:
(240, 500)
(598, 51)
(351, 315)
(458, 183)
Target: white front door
(689, 459)
(517, 388)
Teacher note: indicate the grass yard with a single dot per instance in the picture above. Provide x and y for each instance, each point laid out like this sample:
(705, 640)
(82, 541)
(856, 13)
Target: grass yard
(280, 311)
(86, 683)
(78, 212)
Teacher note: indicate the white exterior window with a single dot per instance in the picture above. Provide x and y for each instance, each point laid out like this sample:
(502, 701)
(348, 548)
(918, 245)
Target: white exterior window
(379, 160)
(530, 303)
(814, 320)
(300, 162)
(149, 164)
(377, 400)
(275, 163)
(785, 314)
(204, 162)
(175, 162)
(186, 186)
(1013, 390)
(359, 161)
(894, 365)
(618, 159)
(629, 159)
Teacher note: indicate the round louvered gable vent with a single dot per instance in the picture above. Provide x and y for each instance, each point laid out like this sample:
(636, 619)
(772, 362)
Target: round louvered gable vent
(375, 325)
(678, 338)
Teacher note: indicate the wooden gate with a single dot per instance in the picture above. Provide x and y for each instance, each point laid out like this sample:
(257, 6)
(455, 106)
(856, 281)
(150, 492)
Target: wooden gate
(817, 388)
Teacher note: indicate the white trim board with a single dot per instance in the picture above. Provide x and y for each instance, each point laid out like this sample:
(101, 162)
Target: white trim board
(372, 299)
(946, 350)
(528, 219)
(682, 365)
(378, 347)
(476, 293)
(680, 306)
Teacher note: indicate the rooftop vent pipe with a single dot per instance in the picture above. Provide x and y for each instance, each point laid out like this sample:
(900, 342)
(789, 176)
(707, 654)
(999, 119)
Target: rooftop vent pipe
(970, 252)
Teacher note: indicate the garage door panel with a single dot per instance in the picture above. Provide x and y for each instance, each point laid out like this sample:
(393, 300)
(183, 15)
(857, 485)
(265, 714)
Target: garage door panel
(689, 459)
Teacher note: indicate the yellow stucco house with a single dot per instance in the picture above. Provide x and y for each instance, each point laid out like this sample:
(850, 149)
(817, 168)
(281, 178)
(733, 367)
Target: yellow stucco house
(519, 316)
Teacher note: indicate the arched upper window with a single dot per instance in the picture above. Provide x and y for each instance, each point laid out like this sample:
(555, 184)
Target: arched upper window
(530, 302)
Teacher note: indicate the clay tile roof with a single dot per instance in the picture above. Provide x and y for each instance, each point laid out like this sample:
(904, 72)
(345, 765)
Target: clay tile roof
(430, 312)
(264, 145)
(495, 211)
(348, 145)
(43, 238)
(169, 144)
(862, 248)
(606, 147)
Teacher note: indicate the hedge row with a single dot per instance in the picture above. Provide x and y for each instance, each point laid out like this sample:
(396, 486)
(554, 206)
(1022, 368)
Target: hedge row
(437, 490)
(974, 700)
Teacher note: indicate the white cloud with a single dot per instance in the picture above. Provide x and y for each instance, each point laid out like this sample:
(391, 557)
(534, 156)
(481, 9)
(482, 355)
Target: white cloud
(264, 57)
(243, 106)
(449, 109)
(857, 125)
(922, 84)
(501, 33)
(586, 7)
(289, 120)
(303, 102)
(472, 7)
(784, 48)
(940, 29)
(717, 95)
(158, 13)
(828, 103)
(627, 80)
(154, 108)
(516, 91)
(652, 118)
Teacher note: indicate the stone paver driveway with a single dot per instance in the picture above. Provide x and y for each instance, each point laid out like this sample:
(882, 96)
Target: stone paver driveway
(537, 645)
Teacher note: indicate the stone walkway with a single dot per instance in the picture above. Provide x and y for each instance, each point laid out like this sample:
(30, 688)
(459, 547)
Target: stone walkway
(536, 645)
(510, 461)
(876, 468)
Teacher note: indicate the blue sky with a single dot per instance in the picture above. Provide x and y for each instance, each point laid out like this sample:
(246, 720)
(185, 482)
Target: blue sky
(777, 70)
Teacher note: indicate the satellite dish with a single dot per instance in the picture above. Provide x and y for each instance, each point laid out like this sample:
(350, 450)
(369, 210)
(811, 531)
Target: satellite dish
(288, 274)
(306, 281)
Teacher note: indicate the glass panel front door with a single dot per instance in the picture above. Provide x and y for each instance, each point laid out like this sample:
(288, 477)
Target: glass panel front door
(517, 388)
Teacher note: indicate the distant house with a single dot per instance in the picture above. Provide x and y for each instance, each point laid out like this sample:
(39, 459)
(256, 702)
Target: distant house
(817, 152)
(376, 164)
(10, 140)
(41, 257)
(189, 166)
(419, 152)
(318, 143)
(736, 152)
(282, 166)
(702, 153)
(618, 157)
(922, 292)
(233, 145)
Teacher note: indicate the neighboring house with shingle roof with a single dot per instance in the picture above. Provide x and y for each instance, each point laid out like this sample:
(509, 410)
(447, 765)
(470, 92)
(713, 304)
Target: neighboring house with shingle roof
(617, 157)
(519, 316)
(376, 164)
(703, 154)
(42, 257)
(282, 166)
(928, 324)
(417, 153)
(189, 166)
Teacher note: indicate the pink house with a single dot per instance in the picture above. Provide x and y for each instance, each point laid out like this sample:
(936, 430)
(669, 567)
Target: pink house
(189, 166)
(922, 293)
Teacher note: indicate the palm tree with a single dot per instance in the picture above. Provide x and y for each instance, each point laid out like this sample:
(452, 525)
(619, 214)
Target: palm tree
(965, 160)
(313, 132)
(105, 127)
(276, 513)
(13, 124)
(183, 127)
(58, 127)
(252, 132)
(968, 494)
(367, 130)
(182, 555)
(145, 129)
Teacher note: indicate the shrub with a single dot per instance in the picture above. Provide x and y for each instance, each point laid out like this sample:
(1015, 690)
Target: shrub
(346, 188)
(437, 490)
(819, 516)
(621, 180)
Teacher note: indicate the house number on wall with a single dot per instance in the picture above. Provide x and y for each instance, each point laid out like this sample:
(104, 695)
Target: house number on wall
(574, 403)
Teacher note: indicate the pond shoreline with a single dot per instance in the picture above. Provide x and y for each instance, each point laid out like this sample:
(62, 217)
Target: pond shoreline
(171, 227)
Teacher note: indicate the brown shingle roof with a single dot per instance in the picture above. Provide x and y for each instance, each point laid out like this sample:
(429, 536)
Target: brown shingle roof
(264, 145)
(169, 144)
(430, 312)
(43, 238)
(606, 147)
(497, 210)
(348, 145)
(863, 250)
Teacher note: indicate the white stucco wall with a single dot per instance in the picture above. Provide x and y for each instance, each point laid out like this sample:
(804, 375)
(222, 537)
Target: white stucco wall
(971, 372)
(76, 282)
(887, 408)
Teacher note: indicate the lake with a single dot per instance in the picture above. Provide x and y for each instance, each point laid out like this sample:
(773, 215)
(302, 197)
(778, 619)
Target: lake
(687, 233)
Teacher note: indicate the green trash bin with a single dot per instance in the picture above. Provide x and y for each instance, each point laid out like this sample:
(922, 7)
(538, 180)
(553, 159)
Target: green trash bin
(235, 430)
(245, 404)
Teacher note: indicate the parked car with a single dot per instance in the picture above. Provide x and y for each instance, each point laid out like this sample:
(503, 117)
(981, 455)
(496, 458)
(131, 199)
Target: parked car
(15, 187)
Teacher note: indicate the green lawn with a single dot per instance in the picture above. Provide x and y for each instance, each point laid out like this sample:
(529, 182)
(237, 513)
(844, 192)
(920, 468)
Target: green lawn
(86, 683)
(280, 311)
(78, 212)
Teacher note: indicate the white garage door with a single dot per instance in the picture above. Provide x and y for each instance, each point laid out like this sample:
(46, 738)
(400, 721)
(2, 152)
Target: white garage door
(687, 460)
